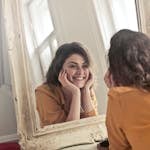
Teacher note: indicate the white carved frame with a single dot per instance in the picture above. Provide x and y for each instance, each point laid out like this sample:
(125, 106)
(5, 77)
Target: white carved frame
(32, 137)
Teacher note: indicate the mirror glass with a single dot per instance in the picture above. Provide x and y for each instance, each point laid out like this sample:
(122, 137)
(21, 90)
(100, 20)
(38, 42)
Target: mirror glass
(50, 23)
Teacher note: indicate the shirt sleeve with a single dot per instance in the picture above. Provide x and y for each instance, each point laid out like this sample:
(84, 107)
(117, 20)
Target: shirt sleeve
(50, 111)
(116, 136)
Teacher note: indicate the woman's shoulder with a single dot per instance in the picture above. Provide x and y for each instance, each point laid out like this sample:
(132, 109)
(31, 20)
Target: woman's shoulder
(51, 91)
(47, 88)
(122, 89)
(126, 91)
(43, 87)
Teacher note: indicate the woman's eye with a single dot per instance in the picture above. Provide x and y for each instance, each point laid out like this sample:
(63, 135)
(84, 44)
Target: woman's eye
(72, 66)
(85, 66)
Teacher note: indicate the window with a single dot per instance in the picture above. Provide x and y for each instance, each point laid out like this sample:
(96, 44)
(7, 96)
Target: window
(40, 36)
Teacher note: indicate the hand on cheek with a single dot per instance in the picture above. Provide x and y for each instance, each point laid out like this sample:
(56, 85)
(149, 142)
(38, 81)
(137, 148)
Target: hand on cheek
(90, 81)
(63, 79)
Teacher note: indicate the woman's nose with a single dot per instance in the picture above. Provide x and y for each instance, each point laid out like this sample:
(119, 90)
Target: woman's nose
(80, 71)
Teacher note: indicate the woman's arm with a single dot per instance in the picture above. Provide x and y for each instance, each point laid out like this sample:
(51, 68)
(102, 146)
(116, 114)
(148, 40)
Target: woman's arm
(87, 104)
(87, 96)
(74, 112)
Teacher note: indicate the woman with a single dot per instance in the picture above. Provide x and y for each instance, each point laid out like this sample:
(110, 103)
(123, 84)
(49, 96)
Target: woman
(68, 92)
(128, 77)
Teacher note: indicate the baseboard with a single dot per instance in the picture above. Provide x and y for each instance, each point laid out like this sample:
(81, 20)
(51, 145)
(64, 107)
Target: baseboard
(8, 138)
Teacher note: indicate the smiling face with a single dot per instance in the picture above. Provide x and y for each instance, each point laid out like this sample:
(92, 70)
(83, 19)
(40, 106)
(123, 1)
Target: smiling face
(77, 70)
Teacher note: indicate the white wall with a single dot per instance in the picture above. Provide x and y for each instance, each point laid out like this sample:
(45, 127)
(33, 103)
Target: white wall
(7, 116)
(1, 60)
(8, 126)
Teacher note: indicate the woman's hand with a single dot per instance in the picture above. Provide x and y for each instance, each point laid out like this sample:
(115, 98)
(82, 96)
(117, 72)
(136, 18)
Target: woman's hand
(70, 87)
(89, 82)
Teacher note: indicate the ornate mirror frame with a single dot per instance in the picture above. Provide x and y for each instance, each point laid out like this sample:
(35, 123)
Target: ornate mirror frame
(67, 135)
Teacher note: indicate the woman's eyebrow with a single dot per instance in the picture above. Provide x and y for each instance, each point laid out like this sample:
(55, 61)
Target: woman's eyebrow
(72, 62)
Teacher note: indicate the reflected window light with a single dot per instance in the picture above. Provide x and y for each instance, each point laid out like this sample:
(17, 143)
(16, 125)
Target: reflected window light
(45, 57)
(55, 45)
(41, 20)
(40, 37)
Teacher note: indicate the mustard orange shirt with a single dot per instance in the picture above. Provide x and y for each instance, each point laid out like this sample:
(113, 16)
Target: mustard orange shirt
(51, 105)
(128, 119)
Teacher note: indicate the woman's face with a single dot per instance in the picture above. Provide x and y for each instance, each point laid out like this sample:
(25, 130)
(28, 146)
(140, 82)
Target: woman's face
(77, 70)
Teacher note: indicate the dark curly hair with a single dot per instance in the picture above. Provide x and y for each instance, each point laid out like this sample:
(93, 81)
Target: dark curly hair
(129, 59)
(63, 52)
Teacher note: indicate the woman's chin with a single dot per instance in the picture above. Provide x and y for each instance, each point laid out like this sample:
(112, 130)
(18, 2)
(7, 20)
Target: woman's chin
(79, 85)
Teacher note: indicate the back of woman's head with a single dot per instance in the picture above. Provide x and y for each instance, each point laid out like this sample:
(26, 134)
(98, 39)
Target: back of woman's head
(129, 58)
(63, 52)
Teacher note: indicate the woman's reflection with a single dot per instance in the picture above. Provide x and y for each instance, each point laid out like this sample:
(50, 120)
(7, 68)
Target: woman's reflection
(68, 92)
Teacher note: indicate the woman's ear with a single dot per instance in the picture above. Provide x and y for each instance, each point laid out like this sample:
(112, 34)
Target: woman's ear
(112, 80)
(108, 78)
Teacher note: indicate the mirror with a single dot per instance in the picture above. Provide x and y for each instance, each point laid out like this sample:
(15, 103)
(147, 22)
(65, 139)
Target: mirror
(49, 24)
(90, 22)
